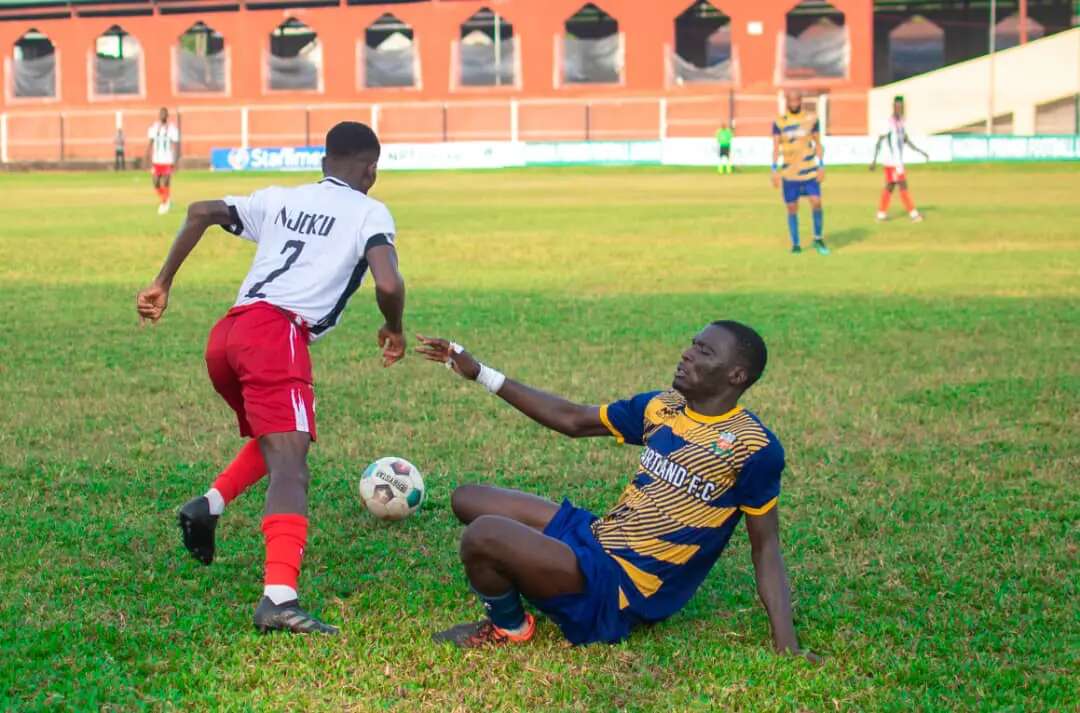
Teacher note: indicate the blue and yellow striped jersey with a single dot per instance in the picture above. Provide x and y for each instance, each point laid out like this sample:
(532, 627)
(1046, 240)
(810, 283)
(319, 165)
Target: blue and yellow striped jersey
(696, 475)
(797, 145)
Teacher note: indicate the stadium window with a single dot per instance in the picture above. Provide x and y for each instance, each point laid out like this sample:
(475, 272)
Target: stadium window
(295, 59)
(815, 42)
(1007, 32)
(702, 45)
(33, 67)
(592, 48)
(487, 52)
(389, 54)
(200, 59)
(117, 64)
(915, 47)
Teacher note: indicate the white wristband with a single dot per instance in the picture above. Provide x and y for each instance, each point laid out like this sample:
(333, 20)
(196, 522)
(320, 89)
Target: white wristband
(490, 379)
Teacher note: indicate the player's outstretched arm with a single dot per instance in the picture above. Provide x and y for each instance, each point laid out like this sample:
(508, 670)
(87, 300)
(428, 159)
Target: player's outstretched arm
(390, 296)
(152, 301)
(772, 582)
(558, 414)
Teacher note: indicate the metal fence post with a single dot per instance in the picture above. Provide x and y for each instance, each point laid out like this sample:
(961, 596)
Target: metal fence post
(61, 138)
(243, 127)
(444, 123)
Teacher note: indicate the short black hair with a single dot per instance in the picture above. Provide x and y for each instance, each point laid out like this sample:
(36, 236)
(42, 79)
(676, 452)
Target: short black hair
(749, 346)
(351, 138)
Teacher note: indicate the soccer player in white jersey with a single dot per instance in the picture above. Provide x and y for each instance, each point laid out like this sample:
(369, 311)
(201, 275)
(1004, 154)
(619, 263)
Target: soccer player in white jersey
(314, 243)
(895, 138)
(163, 153)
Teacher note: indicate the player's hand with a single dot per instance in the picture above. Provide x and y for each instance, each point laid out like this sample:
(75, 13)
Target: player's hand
(925, 155)
(393, 345)
(151, 303)
(775, 179)
(439, 350)
(821, 175)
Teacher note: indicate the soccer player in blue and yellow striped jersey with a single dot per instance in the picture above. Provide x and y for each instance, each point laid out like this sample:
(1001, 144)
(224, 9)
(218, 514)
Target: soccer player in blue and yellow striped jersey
(705, 463)
(797, 140)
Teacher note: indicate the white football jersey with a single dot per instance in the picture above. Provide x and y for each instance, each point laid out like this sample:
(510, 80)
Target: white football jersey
(164, 138)
(895, 136)
(312, 247)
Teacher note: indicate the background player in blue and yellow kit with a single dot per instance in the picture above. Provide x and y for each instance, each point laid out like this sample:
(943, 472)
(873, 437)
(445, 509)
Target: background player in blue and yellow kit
(797, 138)
(706, 462)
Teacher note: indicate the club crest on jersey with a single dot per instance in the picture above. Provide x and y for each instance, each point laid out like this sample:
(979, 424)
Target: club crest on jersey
(304, 223)
(725, 444)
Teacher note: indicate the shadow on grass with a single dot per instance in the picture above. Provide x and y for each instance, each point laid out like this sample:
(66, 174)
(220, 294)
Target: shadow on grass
(846, 238)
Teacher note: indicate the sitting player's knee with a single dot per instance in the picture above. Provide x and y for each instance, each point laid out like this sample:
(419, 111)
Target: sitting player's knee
(461, 502)
(480, 537)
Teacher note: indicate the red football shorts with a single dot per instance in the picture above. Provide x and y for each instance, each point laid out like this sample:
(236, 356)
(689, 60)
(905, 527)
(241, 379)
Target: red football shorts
(162, 169)
(257, 357)
(894, 174)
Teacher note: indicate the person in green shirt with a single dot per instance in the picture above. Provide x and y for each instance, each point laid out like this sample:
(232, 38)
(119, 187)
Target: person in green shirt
(723, 140)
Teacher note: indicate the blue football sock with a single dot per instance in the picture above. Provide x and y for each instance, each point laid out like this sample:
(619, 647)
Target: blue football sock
(504, 610)
(819, 222)
(793, 228)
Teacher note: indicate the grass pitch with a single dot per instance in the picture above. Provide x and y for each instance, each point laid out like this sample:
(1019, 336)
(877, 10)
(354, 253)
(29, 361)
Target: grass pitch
(924, 380)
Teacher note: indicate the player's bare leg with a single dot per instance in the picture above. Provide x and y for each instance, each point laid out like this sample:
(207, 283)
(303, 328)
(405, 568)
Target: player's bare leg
(471, 501)
(819, 225)
(504, 559)
(909, 203)
(284, 528)
(883, 202)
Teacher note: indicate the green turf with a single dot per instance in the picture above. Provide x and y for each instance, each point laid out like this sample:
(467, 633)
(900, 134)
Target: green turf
(924, 379)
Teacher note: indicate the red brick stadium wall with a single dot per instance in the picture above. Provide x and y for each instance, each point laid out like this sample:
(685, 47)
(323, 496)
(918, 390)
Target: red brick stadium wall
(648, 28)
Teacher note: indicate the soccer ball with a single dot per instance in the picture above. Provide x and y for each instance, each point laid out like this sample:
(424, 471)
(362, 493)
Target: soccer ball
(392, 488)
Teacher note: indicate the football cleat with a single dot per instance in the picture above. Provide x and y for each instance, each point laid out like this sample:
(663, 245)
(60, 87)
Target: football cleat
(916, 217)
(197, 526)
(795, 249)
(882, 216)
(475, 634)
(819, 245)
(288, 616)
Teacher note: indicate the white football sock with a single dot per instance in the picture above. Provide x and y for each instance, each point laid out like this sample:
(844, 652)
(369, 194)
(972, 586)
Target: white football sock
(217, 503)
(279, 593)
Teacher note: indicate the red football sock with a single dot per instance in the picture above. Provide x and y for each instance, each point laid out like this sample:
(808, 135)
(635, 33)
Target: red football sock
(886, 196)
(165, 194)
(906, 198)
(160, 193)
(285, 535)
(246, 469)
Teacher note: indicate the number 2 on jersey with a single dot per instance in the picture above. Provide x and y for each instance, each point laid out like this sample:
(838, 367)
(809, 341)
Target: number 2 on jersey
(297, 246)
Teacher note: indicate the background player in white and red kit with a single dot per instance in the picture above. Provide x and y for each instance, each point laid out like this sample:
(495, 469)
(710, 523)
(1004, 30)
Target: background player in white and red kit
(895, 137)
(315, 244)
(163, 153)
